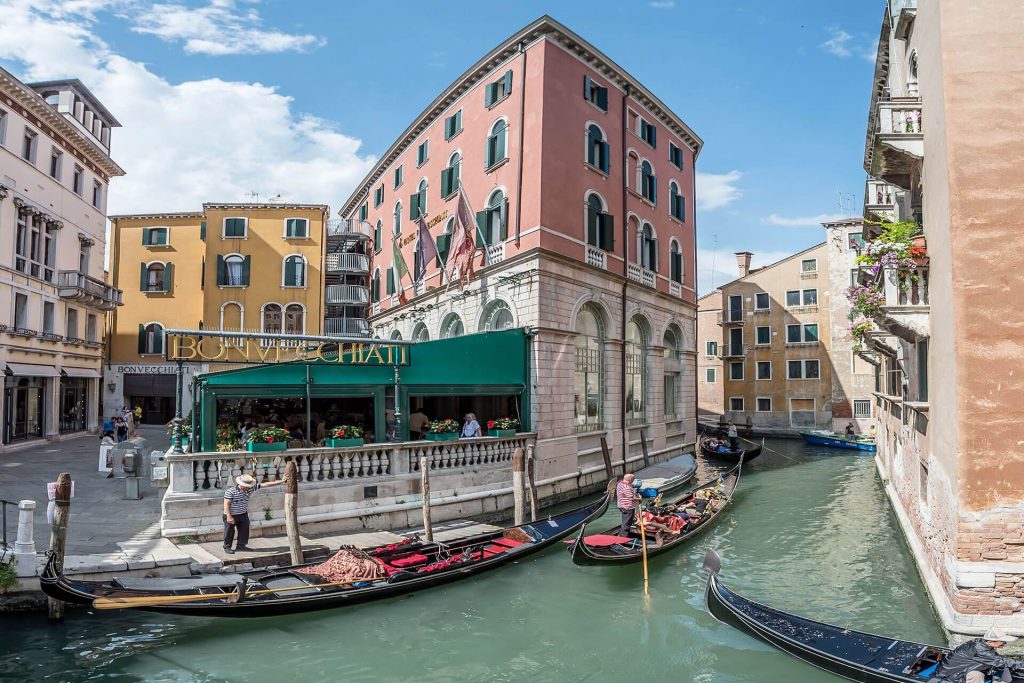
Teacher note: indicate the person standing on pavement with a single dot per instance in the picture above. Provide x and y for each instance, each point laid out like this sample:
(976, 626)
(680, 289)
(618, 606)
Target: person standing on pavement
(129, 419)
(236, 511)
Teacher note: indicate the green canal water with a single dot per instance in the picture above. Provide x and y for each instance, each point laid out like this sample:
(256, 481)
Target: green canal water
(810, 532)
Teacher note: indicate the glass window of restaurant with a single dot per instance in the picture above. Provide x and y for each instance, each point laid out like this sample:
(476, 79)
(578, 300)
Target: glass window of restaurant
(74, 393)
(23, 408)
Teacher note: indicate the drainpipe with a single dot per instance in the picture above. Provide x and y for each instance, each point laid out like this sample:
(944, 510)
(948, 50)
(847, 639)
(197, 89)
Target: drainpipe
(696, 339)
(522, 133)
(625, 278)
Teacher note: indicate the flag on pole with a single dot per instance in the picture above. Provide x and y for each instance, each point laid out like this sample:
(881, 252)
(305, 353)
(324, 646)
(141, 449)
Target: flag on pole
(398, 263)
(426, 249)
(460, 254)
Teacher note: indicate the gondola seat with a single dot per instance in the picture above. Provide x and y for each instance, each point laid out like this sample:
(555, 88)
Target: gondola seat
(928, 671)
(508, 542)
(177, 584)
(410, 560)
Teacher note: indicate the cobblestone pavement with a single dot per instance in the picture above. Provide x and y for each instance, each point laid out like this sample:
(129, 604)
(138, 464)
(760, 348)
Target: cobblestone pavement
(100, 515)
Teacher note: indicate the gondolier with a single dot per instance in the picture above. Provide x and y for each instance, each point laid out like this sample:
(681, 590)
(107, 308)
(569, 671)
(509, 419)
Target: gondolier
(970, 662)
(626, 499)
(733, 435)
(236, 510)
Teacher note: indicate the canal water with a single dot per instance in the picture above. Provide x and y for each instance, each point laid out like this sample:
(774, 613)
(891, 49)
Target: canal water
(809, 531)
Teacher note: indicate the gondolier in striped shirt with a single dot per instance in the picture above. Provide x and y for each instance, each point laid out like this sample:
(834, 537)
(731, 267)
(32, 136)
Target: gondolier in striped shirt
(626, 499)
(236, 510)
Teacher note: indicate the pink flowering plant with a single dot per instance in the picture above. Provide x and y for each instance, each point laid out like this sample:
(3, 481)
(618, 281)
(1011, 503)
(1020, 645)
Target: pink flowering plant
(859, 328)
(445, 426)
(865, 300)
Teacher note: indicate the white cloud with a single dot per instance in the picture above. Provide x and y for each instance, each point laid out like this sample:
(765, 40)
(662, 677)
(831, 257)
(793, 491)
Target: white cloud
(219, 28)
(715, 190)
(843, 44)
(800, 221)
(662, 4)
(189, 142)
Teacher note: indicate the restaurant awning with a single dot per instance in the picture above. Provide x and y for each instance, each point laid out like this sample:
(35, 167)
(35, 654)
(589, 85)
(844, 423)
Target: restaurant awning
(81, 372)
(32, 370)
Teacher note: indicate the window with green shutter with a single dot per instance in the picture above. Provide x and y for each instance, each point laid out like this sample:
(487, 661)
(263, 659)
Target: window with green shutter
(648, 133)
(450, 176)
(154, 237)
(595, 94)
(377, 235)
(378, 196)
(675, 156)
(235, 227)
(498, 90)
(391, 281)
(364, 211)
(496, 147)
(453, 125)
(296, 227)
(414, 206)
(398, 176)
(202, 230)
(422, 153)
(598, 152)
(676, 203)
(492, 225)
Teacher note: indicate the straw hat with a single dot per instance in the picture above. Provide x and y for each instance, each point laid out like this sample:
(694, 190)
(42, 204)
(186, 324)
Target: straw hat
(246, 481)
(995, 634)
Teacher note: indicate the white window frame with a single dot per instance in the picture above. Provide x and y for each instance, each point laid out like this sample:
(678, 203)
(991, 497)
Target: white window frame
(714, 375)
(803, 333)
(284, 317)
(167, 236)
(147, 290)
(78, 180)
(757, 366)
(224, 228)
(55, 153)
(225, 258)
(305, 272)
(803, 369)
(812, 261)
(763, 327)
(241, 315)
(868, 401)
(144, 331)
(743, 371)
(707, 348)
(766, 308)
(33, 147)
(284, 228)
(3, 126)
(757, 404)
(741, 409)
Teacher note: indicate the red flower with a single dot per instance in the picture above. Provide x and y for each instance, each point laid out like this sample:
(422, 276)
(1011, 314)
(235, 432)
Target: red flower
(490, 424)
(270, 439)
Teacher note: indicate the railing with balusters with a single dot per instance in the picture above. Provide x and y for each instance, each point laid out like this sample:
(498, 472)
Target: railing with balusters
(460, 453)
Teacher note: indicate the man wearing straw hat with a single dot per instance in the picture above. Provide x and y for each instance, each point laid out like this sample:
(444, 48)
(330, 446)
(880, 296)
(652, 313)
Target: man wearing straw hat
(236, 511)
(970, 662)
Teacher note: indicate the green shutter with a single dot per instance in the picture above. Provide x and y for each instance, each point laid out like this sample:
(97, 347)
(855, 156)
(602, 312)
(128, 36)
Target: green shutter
(363, 211)
(458, 121)
(222, 275)
(682, 208)
(586, 88)
(489, 158)
(442, 248)
(490, 94)
(142, 339)
(158, 340)
(142, 278)
(376, 237)
(448, 128)
(503, 221)
(481, 229)
(202, 230)
(245, 270)
(606, 228)
(605, 157)
(602, 98)
(145, 235)
(202, 273)
(508, 81)
(677, 267)
(391, 281)
(414, 206)
(446, 181)
(168, 277)
(499, 146)
(654, 136)
(654, 189)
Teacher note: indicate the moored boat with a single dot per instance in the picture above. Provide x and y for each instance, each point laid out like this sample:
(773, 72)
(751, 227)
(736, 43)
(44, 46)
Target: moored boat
(820, 437)
(664, 524)
(718, 448)
(669, 476)
(850, 654)
(402, 567)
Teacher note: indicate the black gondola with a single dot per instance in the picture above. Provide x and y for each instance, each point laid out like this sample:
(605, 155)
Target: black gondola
(603, 549)
(850, 654)
(669, 476)
(732, 456)
(272, 592)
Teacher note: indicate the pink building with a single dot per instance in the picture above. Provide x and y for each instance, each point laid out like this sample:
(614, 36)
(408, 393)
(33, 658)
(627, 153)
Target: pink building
(582, 182)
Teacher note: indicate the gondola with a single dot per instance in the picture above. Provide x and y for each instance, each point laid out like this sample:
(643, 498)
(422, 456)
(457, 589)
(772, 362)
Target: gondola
(732, 456)
(850, 654)
(820, 437)
(669, 476)
(288, 590)
(610, 548)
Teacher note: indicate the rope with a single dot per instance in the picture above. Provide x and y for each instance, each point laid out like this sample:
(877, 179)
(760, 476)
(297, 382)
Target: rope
(770, 450)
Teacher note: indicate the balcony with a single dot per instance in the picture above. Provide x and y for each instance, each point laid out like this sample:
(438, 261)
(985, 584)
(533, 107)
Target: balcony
(732, 351)
(348, 262)
(905, 310)
(674, 288)
(351, 295)
(733, 316)
(880, 201)
(346, 327)
(897, 141)
(349, 228)
(495, 253)
(636, 273)
(88, 291)
(597, 257)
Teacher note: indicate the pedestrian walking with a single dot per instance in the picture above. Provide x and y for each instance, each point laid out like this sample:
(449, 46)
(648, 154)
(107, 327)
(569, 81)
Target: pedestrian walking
(236, 511)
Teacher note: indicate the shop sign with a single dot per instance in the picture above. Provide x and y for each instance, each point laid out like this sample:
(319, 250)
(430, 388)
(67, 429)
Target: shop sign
(146, 369)
(199, 348)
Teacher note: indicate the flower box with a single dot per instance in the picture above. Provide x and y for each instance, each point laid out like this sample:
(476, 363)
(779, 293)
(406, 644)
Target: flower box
(344, 443)
(265, 447)
(501, 432)
(442, 436)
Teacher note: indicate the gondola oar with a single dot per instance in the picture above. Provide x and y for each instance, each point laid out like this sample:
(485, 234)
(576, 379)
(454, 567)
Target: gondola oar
(643, 542)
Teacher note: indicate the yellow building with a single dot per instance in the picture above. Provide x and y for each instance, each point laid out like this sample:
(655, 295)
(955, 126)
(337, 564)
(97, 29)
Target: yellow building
(230, 267)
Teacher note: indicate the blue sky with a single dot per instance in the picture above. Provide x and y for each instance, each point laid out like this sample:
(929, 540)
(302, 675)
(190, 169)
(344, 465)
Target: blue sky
(219, 98)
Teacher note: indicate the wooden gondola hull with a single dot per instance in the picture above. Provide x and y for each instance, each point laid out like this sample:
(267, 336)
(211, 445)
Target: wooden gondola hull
(850, 654)
(671, 475)
(730, 456)
(584, 555)
(84, 592)
(830, 440)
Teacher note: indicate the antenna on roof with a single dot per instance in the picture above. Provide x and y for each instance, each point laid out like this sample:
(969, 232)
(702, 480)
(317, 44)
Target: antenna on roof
(254, 197)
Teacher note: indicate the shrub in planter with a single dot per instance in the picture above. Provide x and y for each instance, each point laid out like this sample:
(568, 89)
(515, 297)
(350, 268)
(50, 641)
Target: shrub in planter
(442, 430)
(345, 435)
(502, 426)
(267, 439)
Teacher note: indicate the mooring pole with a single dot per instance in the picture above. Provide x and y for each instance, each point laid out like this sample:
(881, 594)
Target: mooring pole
(643, 447)
(608, 471)
(309, 414)
(428, 528)
(291, 511)
(518, 486)
(178, 391)
(59, 535)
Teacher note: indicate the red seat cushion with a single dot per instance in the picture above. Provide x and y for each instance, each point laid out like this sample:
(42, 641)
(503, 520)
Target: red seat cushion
(495, 549)
(508, 542)
(410, 560)
(604, 540)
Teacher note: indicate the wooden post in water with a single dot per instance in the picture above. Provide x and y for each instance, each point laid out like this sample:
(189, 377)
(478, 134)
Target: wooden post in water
(643, 447)
(518, 487)
(608, 472)
(291, 511)
(59, 535)
(428, 528)
(531, 481)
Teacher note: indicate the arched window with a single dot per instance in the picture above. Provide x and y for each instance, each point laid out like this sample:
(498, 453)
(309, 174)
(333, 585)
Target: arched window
(375, 286)
(295, 271)
(648, 183)
(597, 148)
(495, 228)
(450, 176)
(648, 248)
(153, 278)
(231, 316)
(419, 202)
(675, 262)
(151, 338)
(378, 234)
(234, 273)
(294, 319)
(397, 224)
(396, 334)
(912, 87)
(633, 169)
(416, 260)
(589, 377)
(497, 316)
(599, 224)
(676, 202)
(444, 242)
(271, 322)
(672, 371)
(636, 371)
(420, 332)
(452, 326)
(496, 147)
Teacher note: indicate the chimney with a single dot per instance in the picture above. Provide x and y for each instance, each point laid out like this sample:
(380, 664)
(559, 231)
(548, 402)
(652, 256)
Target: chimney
(743, 262)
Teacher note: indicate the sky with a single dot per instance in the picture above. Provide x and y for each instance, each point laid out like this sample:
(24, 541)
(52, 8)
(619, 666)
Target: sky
(223, 98)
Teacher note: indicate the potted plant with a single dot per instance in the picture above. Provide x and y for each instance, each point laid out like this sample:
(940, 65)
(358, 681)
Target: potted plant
(503, 426)
(345, 435)
(442, 430)
(264, 439)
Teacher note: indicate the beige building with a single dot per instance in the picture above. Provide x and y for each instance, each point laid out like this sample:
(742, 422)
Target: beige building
(55, 166)
(942, 138)
(229, 267)
(771, 333)
(710, 406)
